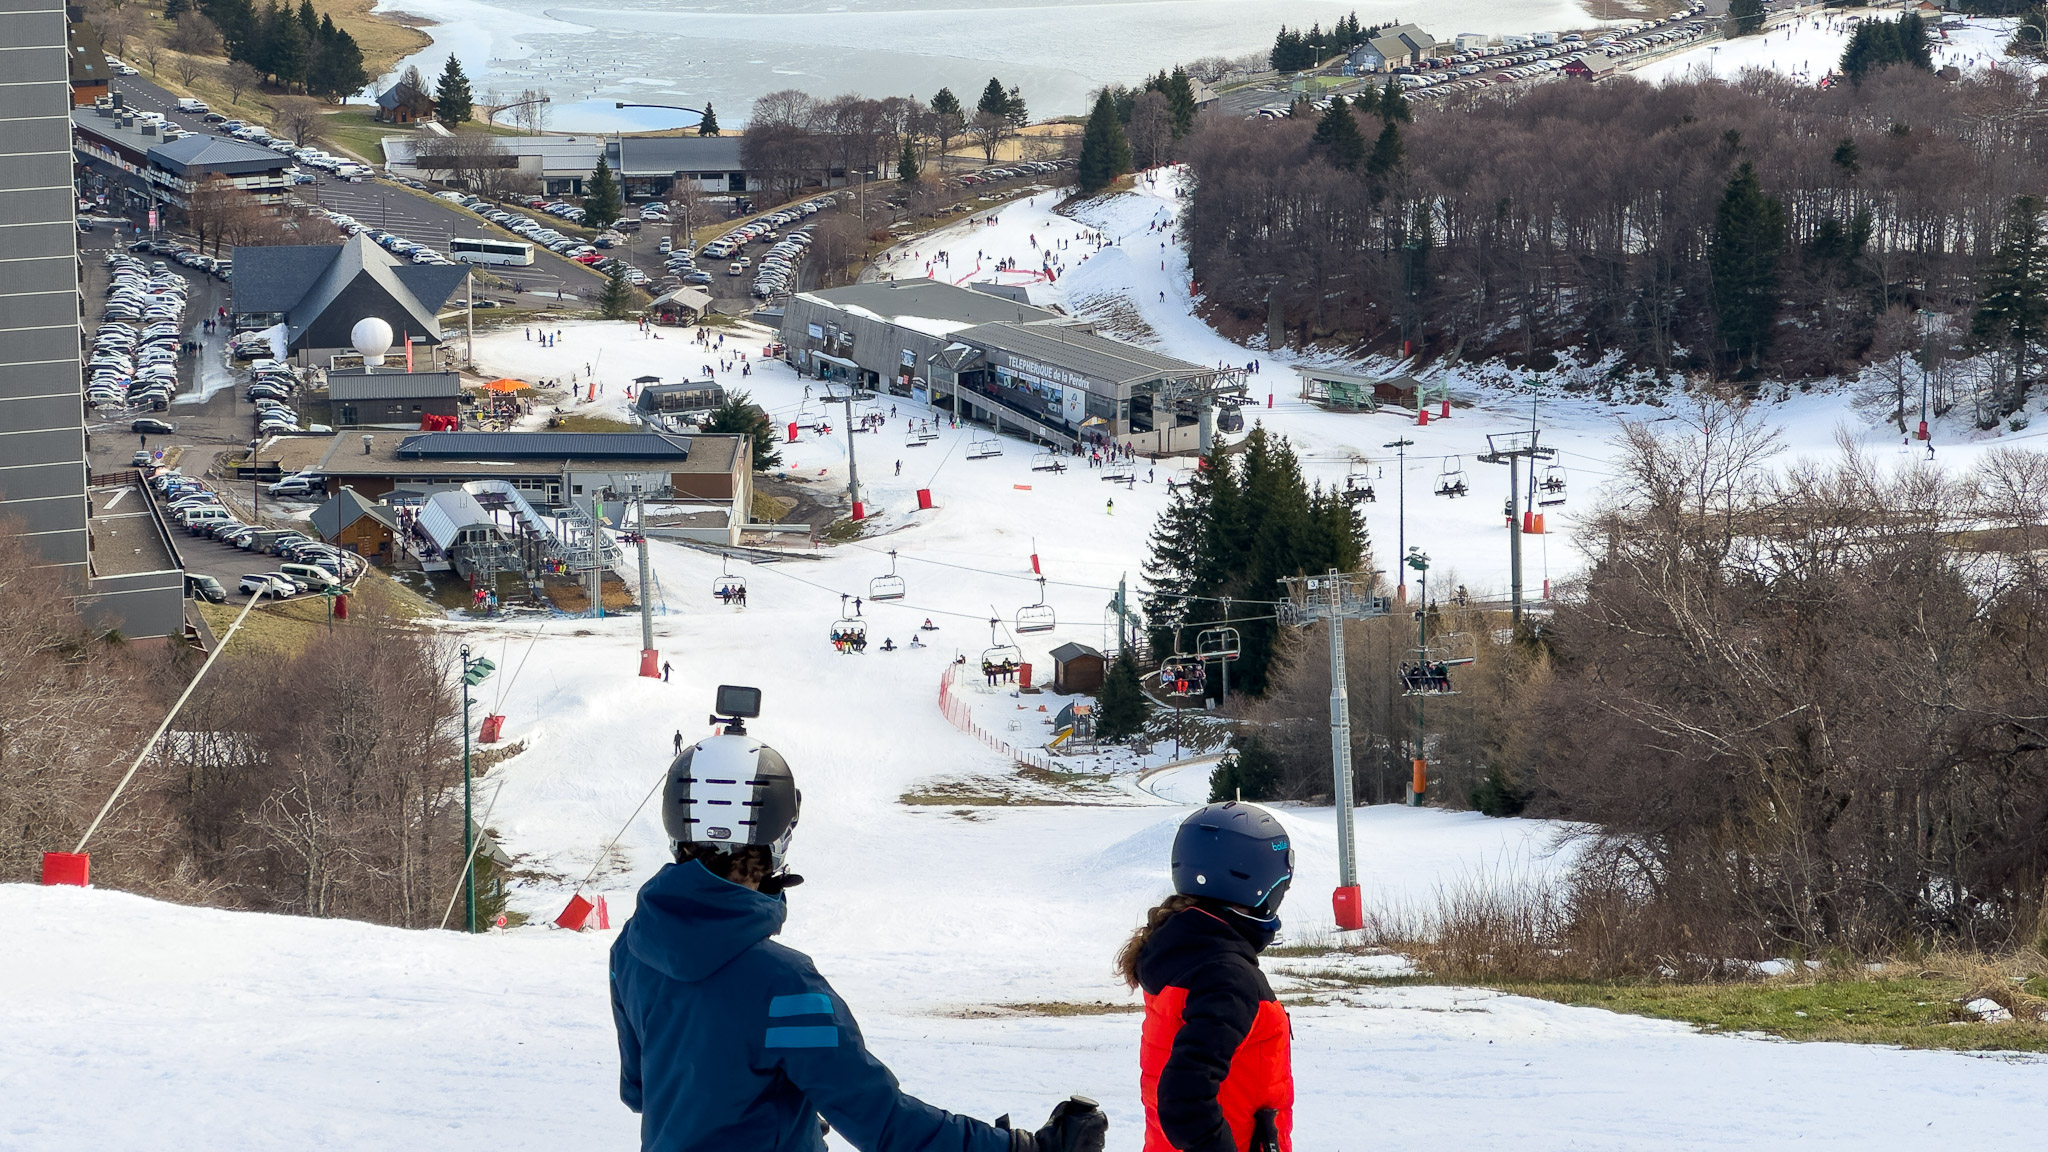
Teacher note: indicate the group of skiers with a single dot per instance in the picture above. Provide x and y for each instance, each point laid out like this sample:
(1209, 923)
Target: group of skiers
(732, 595)
(1427, 676)
(849, 640)
(730, 1041)
(999, 672)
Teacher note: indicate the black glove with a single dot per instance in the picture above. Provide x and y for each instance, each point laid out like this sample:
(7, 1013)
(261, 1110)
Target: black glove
(1076, 1125)
(1266, 1130)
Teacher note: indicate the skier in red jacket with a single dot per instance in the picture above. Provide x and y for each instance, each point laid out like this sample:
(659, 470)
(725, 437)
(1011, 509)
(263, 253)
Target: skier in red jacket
(1214, 1066)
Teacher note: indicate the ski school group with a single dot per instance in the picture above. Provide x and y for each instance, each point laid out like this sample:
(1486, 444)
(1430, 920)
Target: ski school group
(729, 1041)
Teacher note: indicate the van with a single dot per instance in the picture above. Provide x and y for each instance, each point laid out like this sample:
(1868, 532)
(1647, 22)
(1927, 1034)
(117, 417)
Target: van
(197, 519)
(311, 575)
(195, 106)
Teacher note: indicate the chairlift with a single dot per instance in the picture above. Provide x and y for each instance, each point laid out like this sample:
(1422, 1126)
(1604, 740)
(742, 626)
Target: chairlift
(1037, 617)
(1451, 480)
(915, 439)
(1357, 491)
(888, 587)
(1183, 676)
(1219, 643)
(1430, 675)
(999, 653)
(1048, 461)
(983, 449)
(1552, 487)
(728, 586)
(850, 633)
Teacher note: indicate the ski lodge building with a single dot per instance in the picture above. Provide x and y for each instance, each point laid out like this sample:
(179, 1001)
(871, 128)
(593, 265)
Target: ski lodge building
(1004, 362)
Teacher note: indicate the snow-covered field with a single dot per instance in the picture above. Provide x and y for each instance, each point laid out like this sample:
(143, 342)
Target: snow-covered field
(1810, 46)
(134, 1024)
(654, 52)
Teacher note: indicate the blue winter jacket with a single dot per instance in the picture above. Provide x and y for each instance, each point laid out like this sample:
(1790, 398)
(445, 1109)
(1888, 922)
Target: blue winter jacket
(730, 1042)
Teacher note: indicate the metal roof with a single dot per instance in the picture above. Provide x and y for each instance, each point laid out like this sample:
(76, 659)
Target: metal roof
(1071, 651)
(392, 385)
(202, 153)
(330, 518)
(547, 445)
(324, 289)
(667, 155)
(930, 299)
(1078, 349)
(445, 514)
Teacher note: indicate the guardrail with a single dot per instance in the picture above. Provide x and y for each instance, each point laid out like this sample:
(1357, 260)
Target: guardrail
(961, 716)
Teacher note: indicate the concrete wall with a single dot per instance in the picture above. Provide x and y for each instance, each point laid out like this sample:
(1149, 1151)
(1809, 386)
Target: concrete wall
(42, 436)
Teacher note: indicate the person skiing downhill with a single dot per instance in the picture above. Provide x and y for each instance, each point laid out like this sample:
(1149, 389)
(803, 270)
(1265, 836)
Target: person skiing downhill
(1214, 1067)
(730, 1042)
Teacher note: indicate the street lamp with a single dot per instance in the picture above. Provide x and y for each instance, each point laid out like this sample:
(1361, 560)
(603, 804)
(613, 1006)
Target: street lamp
(255, 484)
(474, 672)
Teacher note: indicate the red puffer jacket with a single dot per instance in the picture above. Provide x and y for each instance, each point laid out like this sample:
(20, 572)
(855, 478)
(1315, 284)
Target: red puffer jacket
(1215, 1049)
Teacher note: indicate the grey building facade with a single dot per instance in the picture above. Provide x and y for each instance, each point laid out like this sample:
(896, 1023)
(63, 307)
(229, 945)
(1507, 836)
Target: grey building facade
(43, 473)
(122, 563)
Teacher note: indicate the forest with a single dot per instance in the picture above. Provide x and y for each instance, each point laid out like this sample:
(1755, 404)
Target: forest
(1753, 229)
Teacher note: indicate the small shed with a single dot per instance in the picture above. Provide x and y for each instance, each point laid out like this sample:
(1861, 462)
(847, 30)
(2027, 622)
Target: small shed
(362, 526)
(680, 307)
(1078, 669)
(1591, 67)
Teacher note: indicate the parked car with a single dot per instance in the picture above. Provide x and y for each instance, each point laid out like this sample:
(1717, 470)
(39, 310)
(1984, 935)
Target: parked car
(147, 425)
(200, 586)
(265, 584)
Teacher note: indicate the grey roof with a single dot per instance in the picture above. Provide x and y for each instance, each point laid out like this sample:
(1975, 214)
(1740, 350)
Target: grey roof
(391, 97)
(667, 155)
(324, 289)
(330, 518)
(547, 445)
(695, 299)
(1078, 349)
(203, 153)
(1071, 650)
(392, 385)
(931, 299)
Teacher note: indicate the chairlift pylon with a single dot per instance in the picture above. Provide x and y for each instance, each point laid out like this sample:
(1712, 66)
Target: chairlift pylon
(888, 587)
(1037, 617)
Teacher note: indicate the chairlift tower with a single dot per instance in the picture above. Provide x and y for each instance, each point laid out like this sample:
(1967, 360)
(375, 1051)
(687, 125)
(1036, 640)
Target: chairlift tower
(650, 660)
(1336, 597)
(1511, 448)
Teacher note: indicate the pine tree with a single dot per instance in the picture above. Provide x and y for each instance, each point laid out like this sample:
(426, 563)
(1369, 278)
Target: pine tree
(1338, 138)
(602, 203)
(174, 9)
(616, 300)
(1121, 708)
(1180, 96)
(1105, 151)
(2013, 301)
(1879, 44)
(1393, 106)
(1749, 235)
(310, 21)
(906, 164)
(1249, 772)
(708, 126)
(291, 51)
(740, 416)
(1385, 158)
(994, 100)
(1014, 108)
(945, 103)
(1747, 16)
(452, 98)
(338, 70)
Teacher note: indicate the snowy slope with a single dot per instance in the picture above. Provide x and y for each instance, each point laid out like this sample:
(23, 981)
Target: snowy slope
(140, 1024)
(1810, 46)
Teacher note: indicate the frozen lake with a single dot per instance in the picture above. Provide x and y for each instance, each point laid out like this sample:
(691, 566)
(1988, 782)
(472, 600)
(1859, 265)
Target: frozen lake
(652, 51)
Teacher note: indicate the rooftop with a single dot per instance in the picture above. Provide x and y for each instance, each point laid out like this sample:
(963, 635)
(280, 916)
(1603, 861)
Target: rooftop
(344, 456)
(196, 152)
(392, 385)
(1077, 348)
(898, 300)
(324, 289)
(126, 538)
(547, 445)
(667, 155)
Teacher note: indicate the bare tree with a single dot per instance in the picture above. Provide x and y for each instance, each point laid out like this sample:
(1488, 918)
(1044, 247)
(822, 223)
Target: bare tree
(150, 46)
(1151, 130)
(304, 121)
(118, 25)
(195, 35)
(988, 131)
(473, 158)
(240, 76)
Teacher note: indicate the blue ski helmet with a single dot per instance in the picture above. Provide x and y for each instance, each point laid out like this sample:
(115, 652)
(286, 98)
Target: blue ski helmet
(1237, 853)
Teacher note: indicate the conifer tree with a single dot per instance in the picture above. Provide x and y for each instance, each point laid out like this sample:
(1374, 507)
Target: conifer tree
(1121, 708)
(291, 50)
(1180, 96)
(1747, 16)
(1385, 158)
(452, 98)
(906, 164)
(708, 126)
(617, 298)
(994, 100)
(2013, 301)
(1393, 105)
(1105, 151)
(602, 203)
(338, 70)
(1338, 138)
(1749, 235)
(740, 416)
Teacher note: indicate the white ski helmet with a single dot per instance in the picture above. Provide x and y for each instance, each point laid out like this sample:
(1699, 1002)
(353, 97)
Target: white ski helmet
(731, 791)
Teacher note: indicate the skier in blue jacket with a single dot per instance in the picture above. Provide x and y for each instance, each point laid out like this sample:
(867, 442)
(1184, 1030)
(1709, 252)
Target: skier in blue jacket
(730, 1042)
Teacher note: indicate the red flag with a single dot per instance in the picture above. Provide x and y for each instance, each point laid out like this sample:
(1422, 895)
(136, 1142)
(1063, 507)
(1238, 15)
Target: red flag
(408, 351)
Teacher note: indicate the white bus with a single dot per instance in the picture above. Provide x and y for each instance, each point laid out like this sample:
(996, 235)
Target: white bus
(475, 250)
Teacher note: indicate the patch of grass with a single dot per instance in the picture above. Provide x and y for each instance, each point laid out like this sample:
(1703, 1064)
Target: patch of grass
(844, 530)
(771, 509)
(594, 424)
(285, 627)
(1907, 1011)
(1048, 1008)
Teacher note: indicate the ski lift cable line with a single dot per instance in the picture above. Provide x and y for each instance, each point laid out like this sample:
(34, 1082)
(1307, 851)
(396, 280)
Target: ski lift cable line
(1063, 583)
(927, 610)
(165, 726)
(506, 686)
(659, 779)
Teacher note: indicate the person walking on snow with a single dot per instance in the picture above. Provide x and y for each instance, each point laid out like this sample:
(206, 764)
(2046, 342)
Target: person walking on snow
(731, 1042)
(1215, 1069)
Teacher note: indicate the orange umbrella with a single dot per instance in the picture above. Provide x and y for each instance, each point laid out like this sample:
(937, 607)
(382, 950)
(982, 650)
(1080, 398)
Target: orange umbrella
(506, 384)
